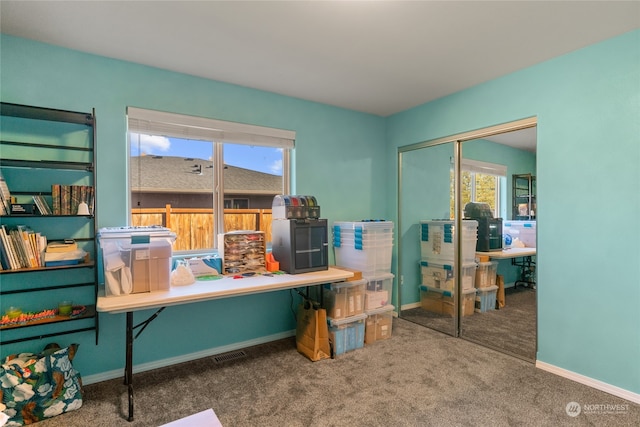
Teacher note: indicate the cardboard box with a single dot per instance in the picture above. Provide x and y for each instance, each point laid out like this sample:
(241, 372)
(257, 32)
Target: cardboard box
(378, 324)
(357, 274)
(442, 301)
(343, 299)
(151, 266)
(376, 299)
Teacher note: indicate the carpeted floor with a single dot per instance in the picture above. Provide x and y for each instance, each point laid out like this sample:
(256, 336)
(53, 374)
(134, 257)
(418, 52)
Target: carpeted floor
(418, 377)
(511, 329)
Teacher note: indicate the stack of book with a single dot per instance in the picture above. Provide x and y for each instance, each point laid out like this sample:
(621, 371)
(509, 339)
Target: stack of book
(66, 198)
(21, 247)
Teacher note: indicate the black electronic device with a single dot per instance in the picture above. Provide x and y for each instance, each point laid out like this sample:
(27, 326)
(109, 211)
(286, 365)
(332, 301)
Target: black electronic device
(489, 228)
(300, 245)
(299, 238)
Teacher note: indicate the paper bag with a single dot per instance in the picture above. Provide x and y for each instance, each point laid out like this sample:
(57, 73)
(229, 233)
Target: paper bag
(312, 332)
(500, 293)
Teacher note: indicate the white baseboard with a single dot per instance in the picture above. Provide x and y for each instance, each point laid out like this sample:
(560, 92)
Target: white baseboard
(411, 305)
(118, 373)
(598, 385)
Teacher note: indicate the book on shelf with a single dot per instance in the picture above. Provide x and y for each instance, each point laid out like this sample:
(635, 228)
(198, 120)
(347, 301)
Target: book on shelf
(5, 196)
(9, 250)
(55, 199)
(42, 205)
(21, 247)
(69, 245)
(67, 198)
(4, 255)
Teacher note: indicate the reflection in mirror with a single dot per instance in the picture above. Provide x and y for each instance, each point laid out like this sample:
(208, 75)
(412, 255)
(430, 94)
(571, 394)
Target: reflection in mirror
(511, 326)
(425, 195)
(426, 198)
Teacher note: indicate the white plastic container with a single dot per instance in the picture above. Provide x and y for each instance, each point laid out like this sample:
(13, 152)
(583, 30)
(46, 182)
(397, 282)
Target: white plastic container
(136, 259)
(441, 274)
(378, 291)
(437, 239)
(525, 231)
(366, 246)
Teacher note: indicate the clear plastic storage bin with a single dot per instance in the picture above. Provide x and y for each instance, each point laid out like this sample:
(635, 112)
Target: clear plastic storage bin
(378, 324)
(437, 239)
(486, 274)
(441, 301)
(378, 292)
(366, 246)
(344, 299)
(441, 274)
(347, 334)
(136, 259)
(486, 299)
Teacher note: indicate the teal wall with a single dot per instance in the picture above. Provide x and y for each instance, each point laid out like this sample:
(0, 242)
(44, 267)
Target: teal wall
(339, 157)
(587, 105)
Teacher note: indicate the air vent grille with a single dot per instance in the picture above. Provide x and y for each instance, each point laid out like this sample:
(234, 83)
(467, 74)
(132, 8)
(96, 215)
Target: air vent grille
(232, 355)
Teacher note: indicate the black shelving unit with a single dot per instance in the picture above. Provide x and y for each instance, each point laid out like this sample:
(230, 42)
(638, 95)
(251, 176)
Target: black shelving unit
(40, 147)
(524, 197)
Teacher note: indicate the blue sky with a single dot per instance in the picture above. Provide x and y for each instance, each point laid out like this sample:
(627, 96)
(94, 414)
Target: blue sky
(262, 159)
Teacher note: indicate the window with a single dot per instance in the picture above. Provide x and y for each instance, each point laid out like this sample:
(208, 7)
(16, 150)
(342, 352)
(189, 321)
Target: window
(184, 169)
(481, 182)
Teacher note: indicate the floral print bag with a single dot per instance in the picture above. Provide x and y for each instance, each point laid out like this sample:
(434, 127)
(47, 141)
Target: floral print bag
(39, 386)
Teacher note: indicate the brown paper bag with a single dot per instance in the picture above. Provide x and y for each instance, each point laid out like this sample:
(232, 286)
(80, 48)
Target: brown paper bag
(312, 332)
(500, 292)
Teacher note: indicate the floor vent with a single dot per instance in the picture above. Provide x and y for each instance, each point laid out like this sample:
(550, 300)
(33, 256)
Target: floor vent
(232, 355)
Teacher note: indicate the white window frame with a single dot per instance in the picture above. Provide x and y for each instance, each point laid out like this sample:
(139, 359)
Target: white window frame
(486, 168)
(219, 132)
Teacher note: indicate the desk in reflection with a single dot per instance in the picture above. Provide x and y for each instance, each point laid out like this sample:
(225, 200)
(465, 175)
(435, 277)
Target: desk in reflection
(520, 257)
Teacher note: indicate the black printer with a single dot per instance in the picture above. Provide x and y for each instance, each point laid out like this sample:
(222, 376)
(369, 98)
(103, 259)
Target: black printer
(489, 228)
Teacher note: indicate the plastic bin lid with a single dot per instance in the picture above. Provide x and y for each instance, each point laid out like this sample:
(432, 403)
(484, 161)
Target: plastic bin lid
(447, 265)
(380, 276)
(380, 310)
(126, 231)
(446, 292)
(338, 285)
(347, 320)
(371, 223)
(487, 289)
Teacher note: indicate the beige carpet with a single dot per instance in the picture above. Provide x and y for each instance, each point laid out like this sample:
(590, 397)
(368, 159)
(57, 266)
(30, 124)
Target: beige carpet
(418, 377)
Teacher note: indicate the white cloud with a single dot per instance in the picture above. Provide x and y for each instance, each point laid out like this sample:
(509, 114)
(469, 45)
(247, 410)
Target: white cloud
(150, 144)
(276, 167)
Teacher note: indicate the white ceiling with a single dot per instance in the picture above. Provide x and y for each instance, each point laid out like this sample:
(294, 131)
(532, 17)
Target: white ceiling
(378, 57)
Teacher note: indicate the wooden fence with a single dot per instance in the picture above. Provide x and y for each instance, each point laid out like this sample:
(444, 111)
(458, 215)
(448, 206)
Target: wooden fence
(194, 226)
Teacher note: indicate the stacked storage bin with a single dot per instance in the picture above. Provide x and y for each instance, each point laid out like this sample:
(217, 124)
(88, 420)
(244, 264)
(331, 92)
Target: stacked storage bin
(367, 246)
(437, 267)
(486, 286)
(345, 302)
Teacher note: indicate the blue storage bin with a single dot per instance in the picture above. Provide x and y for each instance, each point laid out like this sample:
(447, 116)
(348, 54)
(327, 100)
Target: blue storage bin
(347, 334)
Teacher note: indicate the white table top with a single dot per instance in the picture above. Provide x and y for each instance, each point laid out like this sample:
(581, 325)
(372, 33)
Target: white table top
(215, 289)
(509, 253)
